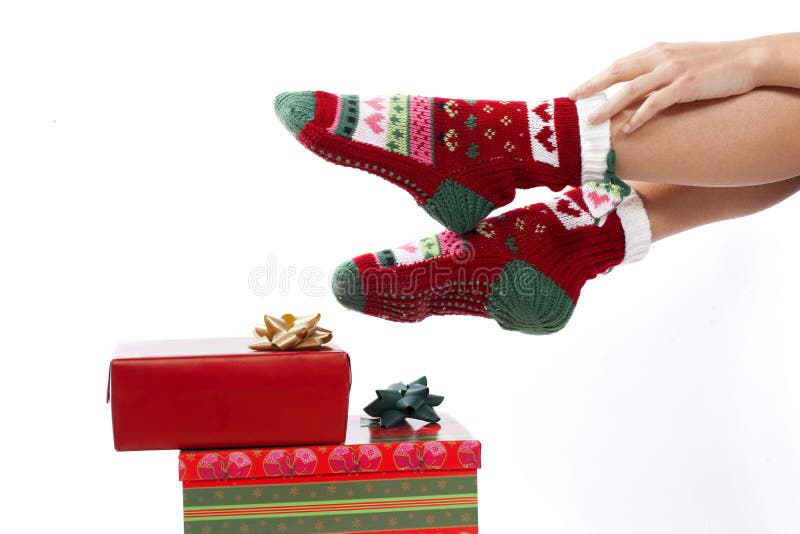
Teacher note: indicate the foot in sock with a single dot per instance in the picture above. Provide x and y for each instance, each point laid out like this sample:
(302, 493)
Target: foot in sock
(524, 269)
(459, 159)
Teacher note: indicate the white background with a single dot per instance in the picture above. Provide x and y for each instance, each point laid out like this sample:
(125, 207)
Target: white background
(145, 176)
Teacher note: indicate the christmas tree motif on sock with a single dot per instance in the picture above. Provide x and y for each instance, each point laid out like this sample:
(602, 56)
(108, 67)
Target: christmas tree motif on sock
(525, 268)
(459, 159)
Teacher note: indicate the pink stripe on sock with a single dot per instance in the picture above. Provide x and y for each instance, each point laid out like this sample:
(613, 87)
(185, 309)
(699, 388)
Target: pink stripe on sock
(420, 127)
(335, 122)
(451, 243)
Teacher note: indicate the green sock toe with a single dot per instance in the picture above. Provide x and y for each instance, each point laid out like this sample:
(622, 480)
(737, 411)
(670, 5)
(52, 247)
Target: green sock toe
(457, 208)
(346, 285)
(295, 110)
(525, 300)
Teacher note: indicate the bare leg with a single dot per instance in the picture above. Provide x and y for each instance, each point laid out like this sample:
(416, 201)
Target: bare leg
(676, 208)
(744, 140)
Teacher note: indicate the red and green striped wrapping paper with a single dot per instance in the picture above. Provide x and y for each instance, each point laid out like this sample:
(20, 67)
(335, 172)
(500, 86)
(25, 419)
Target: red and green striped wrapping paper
(421, 501)
(415, 479)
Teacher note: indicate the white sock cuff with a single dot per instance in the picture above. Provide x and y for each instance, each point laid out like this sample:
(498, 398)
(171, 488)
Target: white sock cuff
(636, 226)
(595, 140)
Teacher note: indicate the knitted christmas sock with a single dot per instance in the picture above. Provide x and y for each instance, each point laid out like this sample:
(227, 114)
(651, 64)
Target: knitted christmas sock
(524, 269)
(459, 159)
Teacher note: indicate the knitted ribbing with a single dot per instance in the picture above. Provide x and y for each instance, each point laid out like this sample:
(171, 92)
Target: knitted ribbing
(525, 268)
(459, 159)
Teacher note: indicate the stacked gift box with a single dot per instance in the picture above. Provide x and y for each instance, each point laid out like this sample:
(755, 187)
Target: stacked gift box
(419, 478)
(267, 445)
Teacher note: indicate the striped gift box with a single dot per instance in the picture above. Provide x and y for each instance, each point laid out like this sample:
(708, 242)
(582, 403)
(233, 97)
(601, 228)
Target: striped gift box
(415, 479)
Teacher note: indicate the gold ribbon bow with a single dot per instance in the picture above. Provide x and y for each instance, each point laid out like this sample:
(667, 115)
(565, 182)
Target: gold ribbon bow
(290, 332)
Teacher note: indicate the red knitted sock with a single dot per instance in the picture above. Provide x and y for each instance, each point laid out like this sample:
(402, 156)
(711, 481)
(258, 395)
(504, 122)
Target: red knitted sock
(525, 268)
(459, 159)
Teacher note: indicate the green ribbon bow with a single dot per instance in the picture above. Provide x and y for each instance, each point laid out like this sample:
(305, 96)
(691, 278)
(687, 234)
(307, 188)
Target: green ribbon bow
(400, 401)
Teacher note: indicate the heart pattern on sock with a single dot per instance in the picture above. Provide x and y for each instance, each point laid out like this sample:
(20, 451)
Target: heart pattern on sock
(374, 122)
(545, 137)
(376, 103)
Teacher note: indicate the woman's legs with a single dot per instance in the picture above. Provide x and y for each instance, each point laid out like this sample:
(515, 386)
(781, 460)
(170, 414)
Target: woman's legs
(744, 140)
(675, 208)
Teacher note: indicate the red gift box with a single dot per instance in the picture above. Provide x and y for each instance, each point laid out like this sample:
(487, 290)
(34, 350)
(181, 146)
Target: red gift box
(217, 393)
(416, 478)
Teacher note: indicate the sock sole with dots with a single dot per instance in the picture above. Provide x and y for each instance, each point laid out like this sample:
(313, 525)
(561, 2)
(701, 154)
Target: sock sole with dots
(524, 269)
(459, 159)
